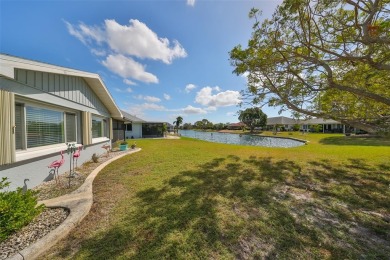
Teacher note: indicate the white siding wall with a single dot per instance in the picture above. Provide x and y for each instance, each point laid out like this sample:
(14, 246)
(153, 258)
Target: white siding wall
(136, 132)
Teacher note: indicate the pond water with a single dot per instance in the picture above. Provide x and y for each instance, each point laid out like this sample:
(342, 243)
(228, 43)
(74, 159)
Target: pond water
(253, 140)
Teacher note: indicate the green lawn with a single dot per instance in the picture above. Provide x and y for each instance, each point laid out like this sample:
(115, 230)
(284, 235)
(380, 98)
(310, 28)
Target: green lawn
(189, 199)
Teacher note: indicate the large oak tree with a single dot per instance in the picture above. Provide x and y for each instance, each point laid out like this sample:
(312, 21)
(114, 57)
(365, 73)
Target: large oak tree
(322, 58)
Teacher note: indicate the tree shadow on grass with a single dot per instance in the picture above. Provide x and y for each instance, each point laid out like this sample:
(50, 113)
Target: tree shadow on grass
(355, 140)
(253, 208)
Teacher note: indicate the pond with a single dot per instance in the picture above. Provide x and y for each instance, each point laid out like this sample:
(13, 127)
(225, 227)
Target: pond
(253, 140)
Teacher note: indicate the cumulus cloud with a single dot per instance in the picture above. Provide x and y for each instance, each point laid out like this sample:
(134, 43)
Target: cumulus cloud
(152, 99)
(129, 82)
(148, 98)
(191, 2)
(124, 43)
(206, 97)
(189, 87)
(136, 39)
(193, 110)
(128, 68)
(167, 97)
(127, 90)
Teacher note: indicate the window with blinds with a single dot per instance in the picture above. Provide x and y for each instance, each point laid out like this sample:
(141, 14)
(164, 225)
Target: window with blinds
(71, 128)
(105, 128)
(44, 127)
(19, 127)
(97, 127)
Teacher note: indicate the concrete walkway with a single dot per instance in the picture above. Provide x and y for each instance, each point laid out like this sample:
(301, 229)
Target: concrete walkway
(79, 203)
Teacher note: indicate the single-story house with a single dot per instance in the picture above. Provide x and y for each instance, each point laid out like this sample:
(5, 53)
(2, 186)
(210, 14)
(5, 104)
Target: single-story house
(326, 125)
(135, 127)
(236, 126)
(281, 122)
(43, 107)
(286, 123)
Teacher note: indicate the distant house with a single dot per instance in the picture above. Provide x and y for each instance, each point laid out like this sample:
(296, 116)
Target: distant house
(136, 127)
(281, 123)
(43, 107)
(326, 125)
(236, 126)
(287, 124)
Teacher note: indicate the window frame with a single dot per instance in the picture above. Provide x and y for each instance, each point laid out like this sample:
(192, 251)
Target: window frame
(24, 102)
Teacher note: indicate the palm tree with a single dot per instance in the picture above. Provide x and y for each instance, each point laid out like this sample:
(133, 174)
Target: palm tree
(178, 122)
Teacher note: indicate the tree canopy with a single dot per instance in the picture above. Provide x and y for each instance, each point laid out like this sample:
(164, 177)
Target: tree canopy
(253, 117)
(322, 58)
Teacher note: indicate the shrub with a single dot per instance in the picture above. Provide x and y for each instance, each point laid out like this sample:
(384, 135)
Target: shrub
(17, 209)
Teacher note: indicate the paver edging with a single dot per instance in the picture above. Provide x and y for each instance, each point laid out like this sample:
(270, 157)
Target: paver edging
(78, 202)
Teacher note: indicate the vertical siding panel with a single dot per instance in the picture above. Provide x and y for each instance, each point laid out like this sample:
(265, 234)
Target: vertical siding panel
(78, 92)
(30, 78)
(62, 85)
(38, 80)
(22, 76)
(51, 83)
(45, 82)
(66, 83)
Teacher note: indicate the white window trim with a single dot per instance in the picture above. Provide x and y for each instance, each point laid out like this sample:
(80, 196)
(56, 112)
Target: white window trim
(100, 139)
(28, 153)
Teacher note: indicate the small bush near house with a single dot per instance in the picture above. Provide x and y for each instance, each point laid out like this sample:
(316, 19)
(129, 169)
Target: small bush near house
(17, 209)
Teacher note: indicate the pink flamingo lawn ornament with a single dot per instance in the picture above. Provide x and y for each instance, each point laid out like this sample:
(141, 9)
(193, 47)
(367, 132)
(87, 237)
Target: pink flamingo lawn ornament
(76, 156)
(57, 164)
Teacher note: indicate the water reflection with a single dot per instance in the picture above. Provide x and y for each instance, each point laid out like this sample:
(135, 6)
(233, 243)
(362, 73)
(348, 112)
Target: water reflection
(241, 139)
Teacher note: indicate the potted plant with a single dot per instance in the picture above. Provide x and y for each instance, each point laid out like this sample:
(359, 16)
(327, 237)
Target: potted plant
(123, 146)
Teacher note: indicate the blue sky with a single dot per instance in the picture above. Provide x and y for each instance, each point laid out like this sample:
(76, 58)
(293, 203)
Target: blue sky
(159, 59)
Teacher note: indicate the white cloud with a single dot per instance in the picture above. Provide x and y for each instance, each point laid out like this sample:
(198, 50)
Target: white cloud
(127, 90)
(86, 34)
(124, 43)
(152, 99)
(152, 106)
(211, 108)
(191, 2)
(193, 110)
(97, 52)
(129, 82)
(205, 97)
(128, 68)
(189, 87)
(136, 39)
(148, 98)
(167, 97)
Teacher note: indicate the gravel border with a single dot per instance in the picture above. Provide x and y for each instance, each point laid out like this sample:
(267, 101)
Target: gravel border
(51, 217)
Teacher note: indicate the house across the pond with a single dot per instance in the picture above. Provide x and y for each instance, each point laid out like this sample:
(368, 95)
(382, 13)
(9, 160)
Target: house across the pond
(43, 107)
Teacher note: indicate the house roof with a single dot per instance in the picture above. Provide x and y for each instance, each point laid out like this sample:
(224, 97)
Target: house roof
(281, 120)
(316, 121)
(9, 63)
(131, 118)
(237, 124)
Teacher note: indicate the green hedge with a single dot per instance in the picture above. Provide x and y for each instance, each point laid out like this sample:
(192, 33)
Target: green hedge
(17, 209)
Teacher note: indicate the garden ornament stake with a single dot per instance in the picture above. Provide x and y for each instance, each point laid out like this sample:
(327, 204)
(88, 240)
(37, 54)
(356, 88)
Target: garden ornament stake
(71, 149)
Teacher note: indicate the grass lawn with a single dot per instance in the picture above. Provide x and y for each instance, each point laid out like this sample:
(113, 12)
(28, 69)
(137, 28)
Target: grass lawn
(190, 199)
